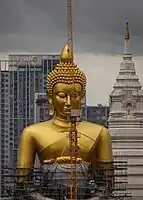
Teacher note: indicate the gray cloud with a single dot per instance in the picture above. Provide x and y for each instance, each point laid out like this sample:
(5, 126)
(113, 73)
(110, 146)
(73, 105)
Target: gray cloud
(34, 25)
(11, 17)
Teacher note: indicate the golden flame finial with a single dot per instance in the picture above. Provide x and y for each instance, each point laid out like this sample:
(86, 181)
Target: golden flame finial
(66, 54)
(127, 33)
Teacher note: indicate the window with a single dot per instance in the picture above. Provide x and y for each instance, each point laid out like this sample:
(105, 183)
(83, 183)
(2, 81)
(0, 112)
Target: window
(2, 118)
(45, 63)
(129, 110)
(55, 62)
(49, 63)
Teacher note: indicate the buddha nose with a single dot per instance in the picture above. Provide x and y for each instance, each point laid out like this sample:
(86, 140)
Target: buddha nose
(68, 102)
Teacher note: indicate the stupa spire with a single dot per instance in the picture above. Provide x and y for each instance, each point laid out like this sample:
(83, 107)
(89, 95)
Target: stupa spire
(127, 53)
(127, 32)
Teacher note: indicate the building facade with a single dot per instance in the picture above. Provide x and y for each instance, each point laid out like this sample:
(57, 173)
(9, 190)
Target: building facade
(41, 108)
(25, 75)
(126, 121)
(98, 114)
(5, 137)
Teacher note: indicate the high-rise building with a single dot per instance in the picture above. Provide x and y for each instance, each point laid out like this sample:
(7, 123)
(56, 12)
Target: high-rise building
(98, 114)
(5, 138)
(25, 76)
(126, 121)
(41, 108)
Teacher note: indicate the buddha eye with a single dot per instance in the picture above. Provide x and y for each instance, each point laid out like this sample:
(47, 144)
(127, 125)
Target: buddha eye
(62, 94)
(75, 94)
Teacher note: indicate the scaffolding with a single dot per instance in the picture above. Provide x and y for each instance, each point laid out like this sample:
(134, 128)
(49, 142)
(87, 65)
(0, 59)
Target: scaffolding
(121, 173)
(46, 183)
(72, 184)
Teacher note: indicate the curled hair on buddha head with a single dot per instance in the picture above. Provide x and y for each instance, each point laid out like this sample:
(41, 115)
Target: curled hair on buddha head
(66, 72)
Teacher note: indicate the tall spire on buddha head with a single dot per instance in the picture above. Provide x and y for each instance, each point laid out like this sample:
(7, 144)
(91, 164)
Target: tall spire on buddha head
(66, 54)
(127, 53)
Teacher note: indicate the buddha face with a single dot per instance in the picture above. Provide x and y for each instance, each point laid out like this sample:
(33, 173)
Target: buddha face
(66, 97)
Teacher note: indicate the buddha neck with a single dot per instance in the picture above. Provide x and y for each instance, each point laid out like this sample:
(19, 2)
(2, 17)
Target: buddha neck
(61, 122)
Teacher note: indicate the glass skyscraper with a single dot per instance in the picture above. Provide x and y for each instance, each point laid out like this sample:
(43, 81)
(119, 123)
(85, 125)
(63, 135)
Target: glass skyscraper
(23, 76)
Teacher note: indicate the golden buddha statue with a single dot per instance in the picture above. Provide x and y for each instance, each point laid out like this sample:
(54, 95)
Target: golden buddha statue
(66, 87)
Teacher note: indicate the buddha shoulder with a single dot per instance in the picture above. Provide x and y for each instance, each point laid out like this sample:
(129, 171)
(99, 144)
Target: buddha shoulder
(36, 129)
(93, 129)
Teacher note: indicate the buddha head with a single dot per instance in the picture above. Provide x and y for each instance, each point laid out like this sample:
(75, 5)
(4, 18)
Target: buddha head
(66, 86)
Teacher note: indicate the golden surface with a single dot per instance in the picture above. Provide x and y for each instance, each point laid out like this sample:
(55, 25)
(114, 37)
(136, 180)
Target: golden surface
(66, 55)
(50, 139)
(66, 72)
(94, 139)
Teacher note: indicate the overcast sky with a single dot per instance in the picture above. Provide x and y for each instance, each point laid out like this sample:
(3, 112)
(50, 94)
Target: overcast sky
(40, 26)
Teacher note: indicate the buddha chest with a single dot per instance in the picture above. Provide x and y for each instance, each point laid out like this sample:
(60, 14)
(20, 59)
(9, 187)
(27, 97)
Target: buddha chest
(56, 144)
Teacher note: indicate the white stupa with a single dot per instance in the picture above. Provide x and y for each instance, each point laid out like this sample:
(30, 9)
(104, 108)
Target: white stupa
(126, 120)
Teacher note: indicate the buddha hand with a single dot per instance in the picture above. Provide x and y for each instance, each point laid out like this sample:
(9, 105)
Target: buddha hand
(38, 196)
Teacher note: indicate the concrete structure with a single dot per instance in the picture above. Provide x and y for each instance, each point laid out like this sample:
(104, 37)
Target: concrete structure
(126, 121)
(21, 77)
(5, 137)
(98, 114)
(41, 108)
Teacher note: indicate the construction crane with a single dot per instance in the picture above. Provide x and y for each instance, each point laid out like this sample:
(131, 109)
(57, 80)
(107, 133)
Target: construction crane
(74, 152)
(75, 114)
(70, 23)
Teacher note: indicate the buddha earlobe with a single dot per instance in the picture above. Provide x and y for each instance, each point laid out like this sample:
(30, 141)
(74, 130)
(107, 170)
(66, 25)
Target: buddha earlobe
(51, 109)
(81, 112)
(82, 101)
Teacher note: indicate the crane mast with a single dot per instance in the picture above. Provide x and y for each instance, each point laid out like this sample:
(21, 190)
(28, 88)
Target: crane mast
(73, 135)
(74, 150)
(70, 23)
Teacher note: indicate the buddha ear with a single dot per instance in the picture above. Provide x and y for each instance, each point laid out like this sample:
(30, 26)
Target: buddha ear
(49, 99)
(83, 100)
(83, 97)
(51, 106)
